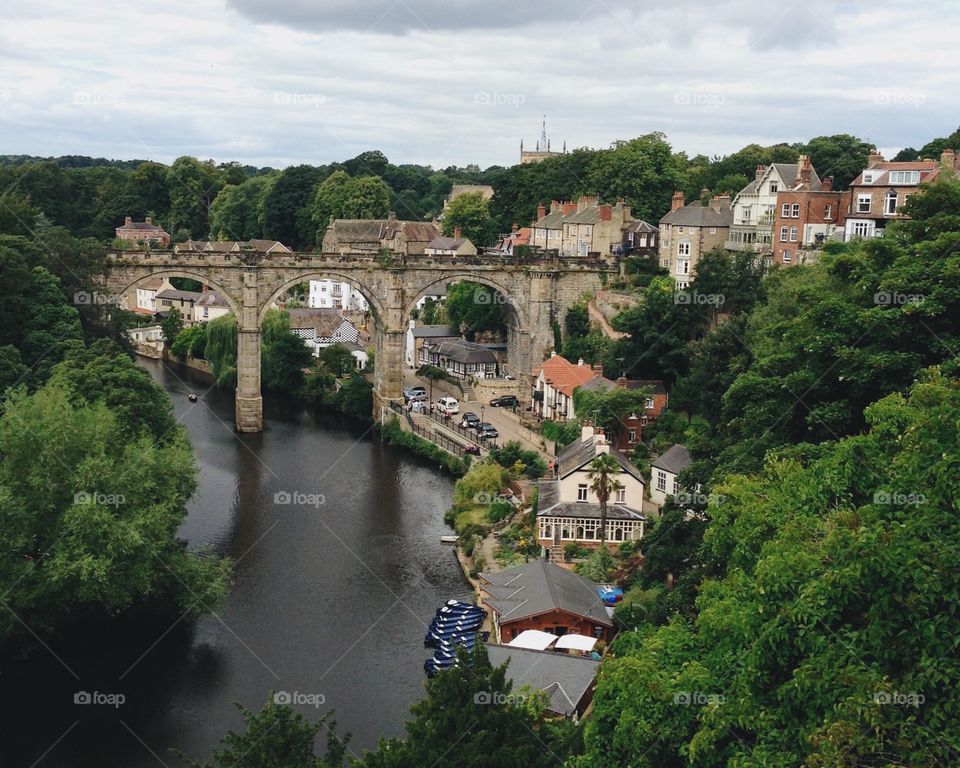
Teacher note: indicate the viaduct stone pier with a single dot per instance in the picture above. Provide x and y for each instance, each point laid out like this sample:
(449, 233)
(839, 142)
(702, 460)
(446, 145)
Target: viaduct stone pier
(538, 290)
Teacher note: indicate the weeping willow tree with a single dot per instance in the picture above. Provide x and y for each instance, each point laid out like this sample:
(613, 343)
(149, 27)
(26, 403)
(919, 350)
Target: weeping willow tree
(221, 350)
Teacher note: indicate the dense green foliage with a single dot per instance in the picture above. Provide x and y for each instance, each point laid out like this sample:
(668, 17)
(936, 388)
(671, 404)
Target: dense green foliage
(393, 433)
(476, 309)
(471, 213)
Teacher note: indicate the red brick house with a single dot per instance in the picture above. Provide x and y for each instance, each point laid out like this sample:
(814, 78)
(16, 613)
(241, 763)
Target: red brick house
(142, 232)
(629, 433)
(545, 596)
(805, 220)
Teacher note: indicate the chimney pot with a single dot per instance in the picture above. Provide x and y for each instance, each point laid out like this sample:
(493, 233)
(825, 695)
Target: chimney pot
(678, 201)
(761, 169)
(827, 184)
(456, 232)
(128, 220)
(873, 158)
(948, 158)
(580, 363)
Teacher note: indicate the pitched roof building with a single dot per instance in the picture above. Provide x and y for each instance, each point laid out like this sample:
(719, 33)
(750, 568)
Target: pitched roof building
(689, 231)
(554, 381)
(370, 236)
(665, 473)
(567, 681)
(145, 231)
(545, 596)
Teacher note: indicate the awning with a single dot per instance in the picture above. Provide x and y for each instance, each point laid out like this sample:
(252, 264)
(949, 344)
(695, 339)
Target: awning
(533, 639)
(576, 643)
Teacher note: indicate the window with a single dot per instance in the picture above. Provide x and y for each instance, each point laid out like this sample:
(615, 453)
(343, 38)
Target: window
(683, 266)
(713, 230)
(774, 186)
(862, 228)
(796, 210)
(793, 234)
(868, 177)
(661, 480)
(665, 263)
(828, 213)
(648, 403)
(747, 211)
(680, 229)
(582, 492)
(676, 486)
(904, 177)
(785, 210)
(632, 435)
(683, 248)
(784, 234)
(786, 257)
(863, 203)
(621, 496)
(890, 203)
(643, 420)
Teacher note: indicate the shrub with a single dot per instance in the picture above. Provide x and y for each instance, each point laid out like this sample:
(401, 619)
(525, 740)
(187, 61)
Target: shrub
(499, 510)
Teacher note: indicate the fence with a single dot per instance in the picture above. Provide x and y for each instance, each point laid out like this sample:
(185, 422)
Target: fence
(440, 440)
(467, 434)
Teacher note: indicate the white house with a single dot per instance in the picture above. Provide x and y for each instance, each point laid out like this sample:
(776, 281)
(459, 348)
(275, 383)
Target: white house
(665, 473)
(146, 295)
(570, 509)
(553, 383)
(417, 336)
(210, 306)
(332, 294)
(323, 331)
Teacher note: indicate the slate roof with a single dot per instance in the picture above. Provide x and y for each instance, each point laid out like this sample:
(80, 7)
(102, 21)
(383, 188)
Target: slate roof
(539, 587)
(172, 293)
(211, 299)
(464, 351)
(582, 452)
(638, 226)
(434, 332)
(447, 243)
(675, 460)
(929, 170)
(589, 215)
(548, 502)
(220, 246)
(142, 225)
(564, 678)
(697, 215)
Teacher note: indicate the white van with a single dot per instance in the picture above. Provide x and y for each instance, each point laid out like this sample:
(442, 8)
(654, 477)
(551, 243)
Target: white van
(448, 405)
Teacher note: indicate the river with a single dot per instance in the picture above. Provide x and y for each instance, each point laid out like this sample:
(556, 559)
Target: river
(331, 596)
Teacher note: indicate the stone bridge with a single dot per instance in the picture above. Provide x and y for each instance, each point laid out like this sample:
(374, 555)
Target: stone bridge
(538, 291)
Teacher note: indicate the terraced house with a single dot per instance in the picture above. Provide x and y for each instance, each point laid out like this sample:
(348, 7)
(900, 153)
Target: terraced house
(689, 231)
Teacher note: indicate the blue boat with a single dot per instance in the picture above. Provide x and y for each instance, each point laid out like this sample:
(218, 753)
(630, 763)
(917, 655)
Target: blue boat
(446, 626)
(456, 610)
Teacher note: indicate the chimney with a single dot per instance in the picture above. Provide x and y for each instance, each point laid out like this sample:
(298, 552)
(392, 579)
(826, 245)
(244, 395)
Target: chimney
(513, 229)
(948, 159)
(586, 431)
(597, 368)
(554, 206)
(804, 169)
(761, 169)
(622, 382)
(600, 441)
(873, 158)
(827, 184)
(456, 232)
(553, 353)
(542, 211)
(128, 220)
(580, 363)
(148, 220)
(678, 201)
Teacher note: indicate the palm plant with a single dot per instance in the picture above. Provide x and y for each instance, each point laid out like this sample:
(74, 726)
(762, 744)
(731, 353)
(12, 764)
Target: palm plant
(603, 474)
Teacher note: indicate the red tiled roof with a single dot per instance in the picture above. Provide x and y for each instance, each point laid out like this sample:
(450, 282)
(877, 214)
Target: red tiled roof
(563, 375)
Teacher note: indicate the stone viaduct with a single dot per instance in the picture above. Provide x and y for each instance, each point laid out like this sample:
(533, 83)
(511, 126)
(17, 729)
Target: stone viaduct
(537, 290)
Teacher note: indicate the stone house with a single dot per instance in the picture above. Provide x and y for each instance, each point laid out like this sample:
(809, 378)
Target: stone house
(145, 231)
(689, 231)
(371, 236)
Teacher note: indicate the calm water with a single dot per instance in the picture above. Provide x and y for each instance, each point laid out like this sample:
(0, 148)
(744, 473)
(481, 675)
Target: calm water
(329, 599)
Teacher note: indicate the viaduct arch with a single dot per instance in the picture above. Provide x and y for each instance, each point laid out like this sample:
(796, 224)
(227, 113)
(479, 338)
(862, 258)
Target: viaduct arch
(539, 290)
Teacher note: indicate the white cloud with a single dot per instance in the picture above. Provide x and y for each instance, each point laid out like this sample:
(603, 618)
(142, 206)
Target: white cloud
(275, 86)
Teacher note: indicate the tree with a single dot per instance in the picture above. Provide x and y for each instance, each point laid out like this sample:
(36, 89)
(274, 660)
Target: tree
(610, 407)
(329, 201)
(237, 211)
(171, 325)
(286, 209)
(221, 350)
(471, 213)
(367, 198)
(276, 737)
(841, 156)
(475, 308)
(190, 342)
(92, 511)
(472, 710)
(192, 187)
(338, 360)
(603, 473)
(283, 354)
(148, 182)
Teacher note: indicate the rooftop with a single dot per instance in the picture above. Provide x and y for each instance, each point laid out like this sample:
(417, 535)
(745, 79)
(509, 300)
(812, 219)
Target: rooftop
(674, 461)
(538, 587)
(563, 375)
(564, 678)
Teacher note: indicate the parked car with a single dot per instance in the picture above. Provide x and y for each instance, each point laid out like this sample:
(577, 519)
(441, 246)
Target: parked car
(418, 397)
(414, 393)
(505, 401)
(448, 405)
(469, 420)
(487, 430)
(472, 449)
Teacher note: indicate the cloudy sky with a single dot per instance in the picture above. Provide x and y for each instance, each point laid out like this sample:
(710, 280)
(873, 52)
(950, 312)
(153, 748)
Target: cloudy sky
(451, 82)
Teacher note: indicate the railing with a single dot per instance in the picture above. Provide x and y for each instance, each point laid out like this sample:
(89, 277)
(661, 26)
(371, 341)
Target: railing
(467, 434)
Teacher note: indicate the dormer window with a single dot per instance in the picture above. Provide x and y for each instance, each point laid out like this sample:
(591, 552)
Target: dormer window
(904, 177)
(868, 177)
